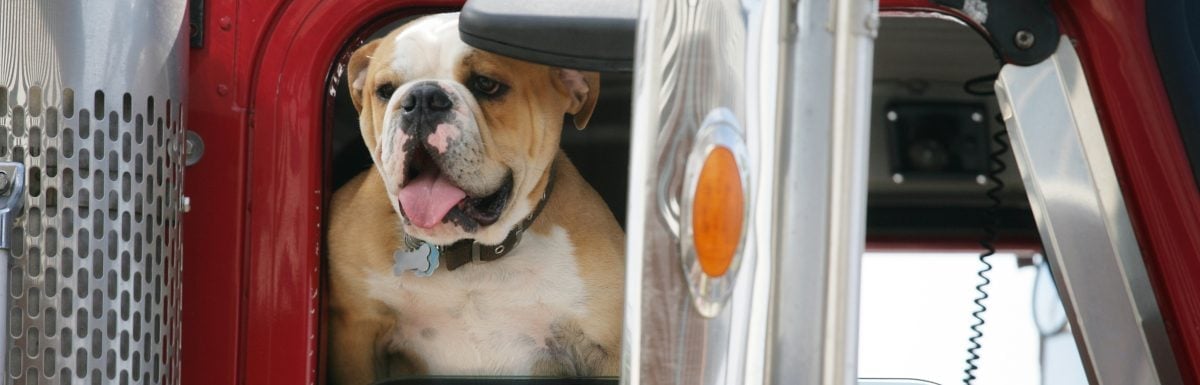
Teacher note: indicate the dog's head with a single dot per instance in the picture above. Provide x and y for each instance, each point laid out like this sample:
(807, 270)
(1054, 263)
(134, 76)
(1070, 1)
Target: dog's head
(463, 138)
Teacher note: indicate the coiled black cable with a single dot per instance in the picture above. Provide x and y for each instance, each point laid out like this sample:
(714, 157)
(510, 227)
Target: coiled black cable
(978, 87)
(997, 166)
(973, 85)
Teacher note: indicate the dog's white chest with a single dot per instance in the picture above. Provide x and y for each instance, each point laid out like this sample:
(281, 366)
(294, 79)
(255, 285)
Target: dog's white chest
(492, 317)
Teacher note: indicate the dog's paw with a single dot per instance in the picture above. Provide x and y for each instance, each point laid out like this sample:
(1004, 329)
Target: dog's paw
(570, 353)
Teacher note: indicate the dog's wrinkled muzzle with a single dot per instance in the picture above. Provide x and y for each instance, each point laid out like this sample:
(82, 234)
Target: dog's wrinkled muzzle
(440, 153)
(425, 106)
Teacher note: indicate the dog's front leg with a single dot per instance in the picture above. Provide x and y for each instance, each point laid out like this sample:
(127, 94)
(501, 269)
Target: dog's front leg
(355, 349)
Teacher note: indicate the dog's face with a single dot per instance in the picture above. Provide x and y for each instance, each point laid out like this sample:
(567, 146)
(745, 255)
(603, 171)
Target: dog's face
(463, 138)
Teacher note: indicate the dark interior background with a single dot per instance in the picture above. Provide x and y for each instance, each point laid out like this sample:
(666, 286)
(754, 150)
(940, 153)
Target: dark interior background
(927, 62)
(920, 62)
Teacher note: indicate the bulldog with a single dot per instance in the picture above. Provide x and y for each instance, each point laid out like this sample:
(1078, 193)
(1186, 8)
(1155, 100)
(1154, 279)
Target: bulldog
(473, 246)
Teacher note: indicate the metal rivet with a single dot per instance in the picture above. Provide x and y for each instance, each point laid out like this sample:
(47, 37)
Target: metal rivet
(226, 23)
(193, 148)
(222, 89)
(499, 249)
(1024, 39)
(187, 204)
(5, 182)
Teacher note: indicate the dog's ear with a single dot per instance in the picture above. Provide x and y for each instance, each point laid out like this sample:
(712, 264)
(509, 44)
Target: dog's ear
(357, 72)
(583, 88)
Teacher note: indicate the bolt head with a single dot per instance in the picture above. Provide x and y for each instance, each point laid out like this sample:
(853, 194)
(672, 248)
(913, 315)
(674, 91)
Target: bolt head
(1024, 39)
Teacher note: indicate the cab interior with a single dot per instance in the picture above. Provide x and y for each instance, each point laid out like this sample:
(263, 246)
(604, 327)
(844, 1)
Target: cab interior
(933, 121)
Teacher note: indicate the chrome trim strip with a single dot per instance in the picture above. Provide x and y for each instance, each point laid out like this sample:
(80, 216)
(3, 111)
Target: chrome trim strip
(764, 96)
(795, 323)
(1085, 228)
(856, 25)
(820, 221)
(643, 130)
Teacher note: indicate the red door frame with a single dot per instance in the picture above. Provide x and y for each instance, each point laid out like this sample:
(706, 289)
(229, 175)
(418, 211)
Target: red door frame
(253, 239)
(253, 249)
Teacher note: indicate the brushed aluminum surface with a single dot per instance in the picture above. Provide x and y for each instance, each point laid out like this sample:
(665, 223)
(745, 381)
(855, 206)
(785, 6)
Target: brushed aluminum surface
(821, 222)
(1080, 211)
(92, 102)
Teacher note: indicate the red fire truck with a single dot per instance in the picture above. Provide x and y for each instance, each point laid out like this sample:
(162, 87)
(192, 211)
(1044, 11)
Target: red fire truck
(166, 169)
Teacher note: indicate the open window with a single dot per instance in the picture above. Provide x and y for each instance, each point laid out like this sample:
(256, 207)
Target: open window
(934, 121)
(936, 133)
(600, 153)
(934, 194)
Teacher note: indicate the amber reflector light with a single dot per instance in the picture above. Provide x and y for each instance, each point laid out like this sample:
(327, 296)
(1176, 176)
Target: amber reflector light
(717, 212)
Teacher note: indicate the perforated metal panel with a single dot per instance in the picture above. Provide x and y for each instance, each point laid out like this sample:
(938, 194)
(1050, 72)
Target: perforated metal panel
(91, 101)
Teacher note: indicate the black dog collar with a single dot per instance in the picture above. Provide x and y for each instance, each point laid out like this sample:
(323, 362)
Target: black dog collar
(468, 250)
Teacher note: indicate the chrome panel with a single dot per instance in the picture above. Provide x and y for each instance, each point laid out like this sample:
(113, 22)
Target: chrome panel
(821, 222)
(694, 57)
(1085, 228)
(92, 102)
(791, 317)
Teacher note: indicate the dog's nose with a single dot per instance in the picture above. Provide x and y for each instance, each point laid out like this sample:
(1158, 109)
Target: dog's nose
(425, 98)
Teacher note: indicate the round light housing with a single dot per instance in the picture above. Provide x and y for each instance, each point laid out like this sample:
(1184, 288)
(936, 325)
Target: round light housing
(714, 212)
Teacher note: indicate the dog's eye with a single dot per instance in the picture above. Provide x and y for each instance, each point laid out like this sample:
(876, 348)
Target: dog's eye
(385, 91)
(485, 85)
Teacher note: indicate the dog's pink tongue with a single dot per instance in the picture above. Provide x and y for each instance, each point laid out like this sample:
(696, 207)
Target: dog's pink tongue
(428, 198)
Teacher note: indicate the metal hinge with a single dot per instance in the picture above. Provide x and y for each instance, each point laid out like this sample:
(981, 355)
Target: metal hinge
(1023, 32)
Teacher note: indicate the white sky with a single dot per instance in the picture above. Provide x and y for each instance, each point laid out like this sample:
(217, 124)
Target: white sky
(915, 316)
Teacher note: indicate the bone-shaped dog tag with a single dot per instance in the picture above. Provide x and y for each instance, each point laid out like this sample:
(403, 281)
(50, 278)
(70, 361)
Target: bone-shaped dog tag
(422, 261)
